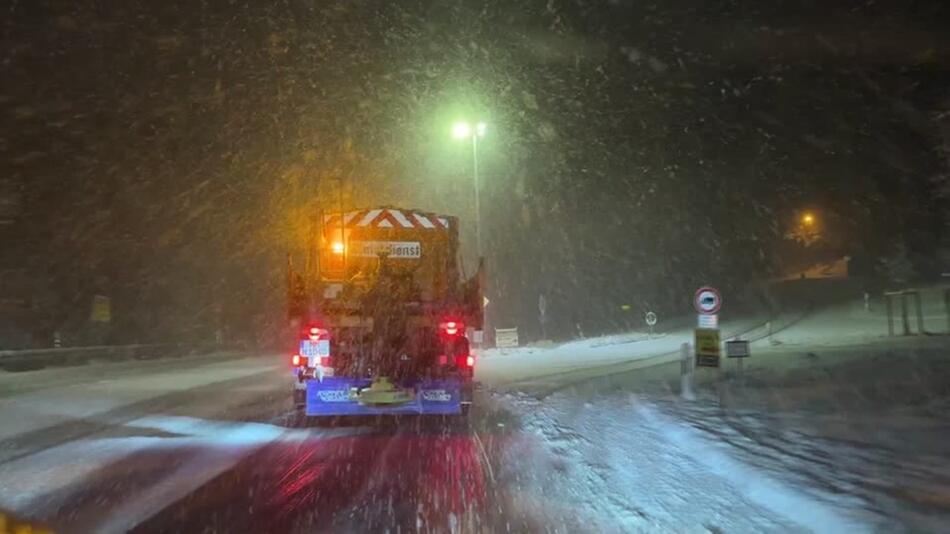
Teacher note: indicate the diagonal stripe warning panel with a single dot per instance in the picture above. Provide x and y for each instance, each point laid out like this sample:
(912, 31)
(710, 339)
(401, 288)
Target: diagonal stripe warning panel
(369, 217)
(332, 220)
(386, 218)
(401, 218)
(423, 220)
(348, 218)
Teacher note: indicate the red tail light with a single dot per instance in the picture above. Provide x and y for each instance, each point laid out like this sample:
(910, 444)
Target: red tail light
(295, 360)
(470, 361)
(316, 333)
(452, 328)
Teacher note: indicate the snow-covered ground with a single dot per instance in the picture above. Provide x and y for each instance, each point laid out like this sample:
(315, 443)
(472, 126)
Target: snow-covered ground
(62, 428)
(43, 481)
(622, 465)
(499, 366)
(113, 446)
(170, 457)
(841, 325)
(851, 323)
(106, 446)
(833, 428)
(104, 391)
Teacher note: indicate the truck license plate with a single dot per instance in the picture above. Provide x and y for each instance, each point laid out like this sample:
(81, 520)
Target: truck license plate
(314, 348)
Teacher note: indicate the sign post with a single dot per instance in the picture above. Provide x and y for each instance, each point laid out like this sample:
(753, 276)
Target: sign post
(542, 315)
(739, 349)
(101, 317)
(686, 372)
(650, 319)
(707, 301)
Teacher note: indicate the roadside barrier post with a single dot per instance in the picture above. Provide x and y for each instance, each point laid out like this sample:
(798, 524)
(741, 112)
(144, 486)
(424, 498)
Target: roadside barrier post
(890, 314)
(905, 320)
(686, 372)
(946, 305)
(904, 295)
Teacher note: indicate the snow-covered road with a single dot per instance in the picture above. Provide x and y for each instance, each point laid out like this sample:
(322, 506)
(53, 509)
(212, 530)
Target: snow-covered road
(66, 434)
(96, 392)
(205, 445)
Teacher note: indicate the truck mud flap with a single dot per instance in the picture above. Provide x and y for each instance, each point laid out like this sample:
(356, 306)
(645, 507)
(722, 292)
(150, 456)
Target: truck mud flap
(337, 396)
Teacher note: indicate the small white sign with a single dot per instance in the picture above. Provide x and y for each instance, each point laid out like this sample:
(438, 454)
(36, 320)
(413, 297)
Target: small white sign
(506, 337)
(650, 318)
(708, 321)
(737, 349)
(394, 249)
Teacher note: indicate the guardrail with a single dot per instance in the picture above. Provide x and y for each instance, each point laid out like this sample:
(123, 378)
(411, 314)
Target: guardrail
(22, 360)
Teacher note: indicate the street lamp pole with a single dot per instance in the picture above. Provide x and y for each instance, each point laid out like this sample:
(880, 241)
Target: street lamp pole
(463, 130)
(478, 207)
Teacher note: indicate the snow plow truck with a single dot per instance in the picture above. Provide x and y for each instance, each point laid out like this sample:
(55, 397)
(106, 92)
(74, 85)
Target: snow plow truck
(383, 316)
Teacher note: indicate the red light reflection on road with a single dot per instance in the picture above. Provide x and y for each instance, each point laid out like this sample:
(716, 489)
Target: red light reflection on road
(392, 478)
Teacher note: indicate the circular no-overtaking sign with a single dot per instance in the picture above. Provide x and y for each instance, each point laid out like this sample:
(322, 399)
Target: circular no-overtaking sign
(707, 300)
(650, 318)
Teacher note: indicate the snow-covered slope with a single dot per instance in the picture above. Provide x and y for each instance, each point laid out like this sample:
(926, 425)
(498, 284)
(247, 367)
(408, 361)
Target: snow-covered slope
(841, 325)
(498, 366)
(625, 466)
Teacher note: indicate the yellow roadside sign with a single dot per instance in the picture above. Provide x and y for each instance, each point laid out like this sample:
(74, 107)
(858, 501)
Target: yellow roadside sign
(101, 309)
(708, 347)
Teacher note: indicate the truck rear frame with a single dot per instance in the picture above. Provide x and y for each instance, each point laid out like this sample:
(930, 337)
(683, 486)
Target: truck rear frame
(383, 335)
